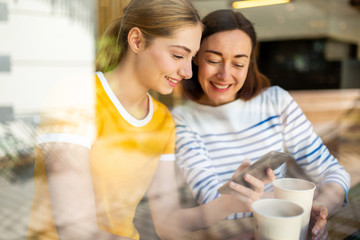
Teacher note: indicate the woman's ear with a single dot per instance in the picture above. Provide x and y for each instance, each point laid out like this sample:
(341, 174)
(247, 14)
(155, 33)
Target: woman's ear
(136, 39)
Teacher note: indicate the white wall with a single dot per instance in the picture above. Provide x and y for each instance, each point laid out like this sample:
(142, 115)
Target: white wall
(45, 46)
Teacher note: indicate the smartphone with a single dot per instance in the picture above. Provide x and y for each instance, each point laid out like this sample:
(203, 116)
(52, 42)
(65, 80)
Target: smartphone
(271, 160)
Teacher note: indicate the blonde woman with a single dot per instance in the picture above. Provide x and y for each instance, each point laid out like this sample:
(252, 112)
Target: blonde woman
(94, 164)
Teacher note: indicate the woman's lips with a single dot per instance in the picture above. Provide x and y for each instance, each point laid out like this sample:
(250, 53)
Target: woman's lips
(220, 87)
(173, 82)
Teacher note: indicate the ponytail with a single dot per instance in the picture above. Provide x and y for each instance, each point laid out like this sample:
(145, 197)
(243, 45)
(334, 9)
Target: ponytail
(110, 48)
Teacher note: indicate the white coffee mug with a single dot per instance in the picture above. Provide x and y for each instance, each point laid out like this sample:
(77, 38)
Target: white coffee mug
(277, 219)
(298, 191)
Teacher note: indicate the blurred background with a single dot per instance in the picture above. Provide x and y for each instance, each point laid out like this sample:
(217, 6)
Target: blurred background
(310, 48)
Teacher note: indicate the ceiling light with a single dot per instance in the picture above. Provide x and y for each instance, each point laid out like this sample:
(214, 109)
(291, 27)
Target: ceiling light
(256, 3)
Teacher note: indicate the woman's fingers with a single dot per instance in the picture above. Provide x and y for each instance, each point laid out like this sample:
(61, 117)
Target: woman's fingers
(245, 164)
(256, 183)
(254, 193)
(270, 176)
(257, 186)
(319, 227)
(319, 214)
(249, 195)
(246, 195)
(240, 189)
(319, 231)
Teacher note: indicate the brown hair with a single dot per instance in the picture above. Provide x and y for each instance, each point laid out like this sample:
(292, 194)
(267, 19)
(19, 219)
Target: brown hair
(226, 20)
(155, 18)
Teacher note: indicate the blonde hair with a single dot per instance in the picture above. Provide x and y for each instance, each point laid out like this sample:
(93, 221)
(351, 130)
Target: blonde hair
(155, 18)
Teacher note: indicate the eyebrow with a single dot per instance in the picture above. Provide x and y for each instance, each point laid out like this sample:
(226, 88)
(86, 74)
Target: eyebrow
(182, 47)
(220, 54)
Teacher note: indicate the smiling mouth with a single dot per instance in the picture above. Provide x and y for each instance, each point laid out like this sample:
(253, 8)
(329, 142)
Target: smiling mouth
(172, 80)
(221, 87)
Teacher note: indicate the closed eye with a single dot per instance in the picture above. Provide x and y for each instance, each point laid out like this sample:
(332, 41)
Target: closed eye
(239, 65)
(177, 56)
(213, 62)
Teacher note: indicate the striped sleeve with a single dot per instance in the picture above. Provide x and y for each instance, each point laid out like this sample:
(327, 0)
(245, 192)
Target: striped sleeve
(195, 164)
(308, 149)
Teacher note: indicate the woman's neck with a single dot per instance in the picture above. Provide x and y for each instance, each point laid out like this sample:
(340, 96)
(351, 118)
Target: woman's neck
(131, 94)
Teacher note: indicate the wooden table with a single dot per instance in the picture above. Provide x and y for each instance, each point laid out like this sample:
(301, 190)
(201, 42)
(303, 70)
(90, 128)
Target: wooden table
(344, 223)
(347, 221)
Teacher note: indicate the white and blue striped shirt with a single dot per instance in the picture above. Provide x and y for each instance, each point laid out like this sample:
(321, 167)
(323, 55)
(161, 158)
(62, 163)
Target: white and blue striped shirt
(212, 142)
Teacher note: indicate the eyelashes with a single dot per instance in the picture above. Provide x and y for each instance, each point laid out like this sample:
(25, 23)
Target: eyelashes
(218, 62)
(177, 56)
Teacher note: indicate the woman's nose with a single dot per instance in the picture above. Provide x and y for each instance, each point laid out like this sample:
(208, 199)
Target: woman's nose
(223, 72)
(186, 70)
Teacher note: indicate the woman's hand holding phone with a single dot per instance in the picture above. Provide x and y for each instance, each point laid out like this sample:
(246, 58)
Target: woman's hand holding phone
(259, 170)
(240, 197)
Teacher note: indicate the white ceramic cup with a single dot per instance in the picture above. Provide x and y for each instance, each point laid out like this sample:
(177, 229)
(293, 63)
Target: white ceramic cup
(277, 219)
(298, 191)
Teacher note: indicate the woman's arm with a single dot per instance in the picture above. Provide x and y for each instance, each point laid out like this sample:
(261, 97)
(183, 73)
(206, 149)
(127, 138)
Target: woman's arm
(327, 202)
(307, 147)
(330, 195)
(318, 163)
(71, 192)
(171, 222)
